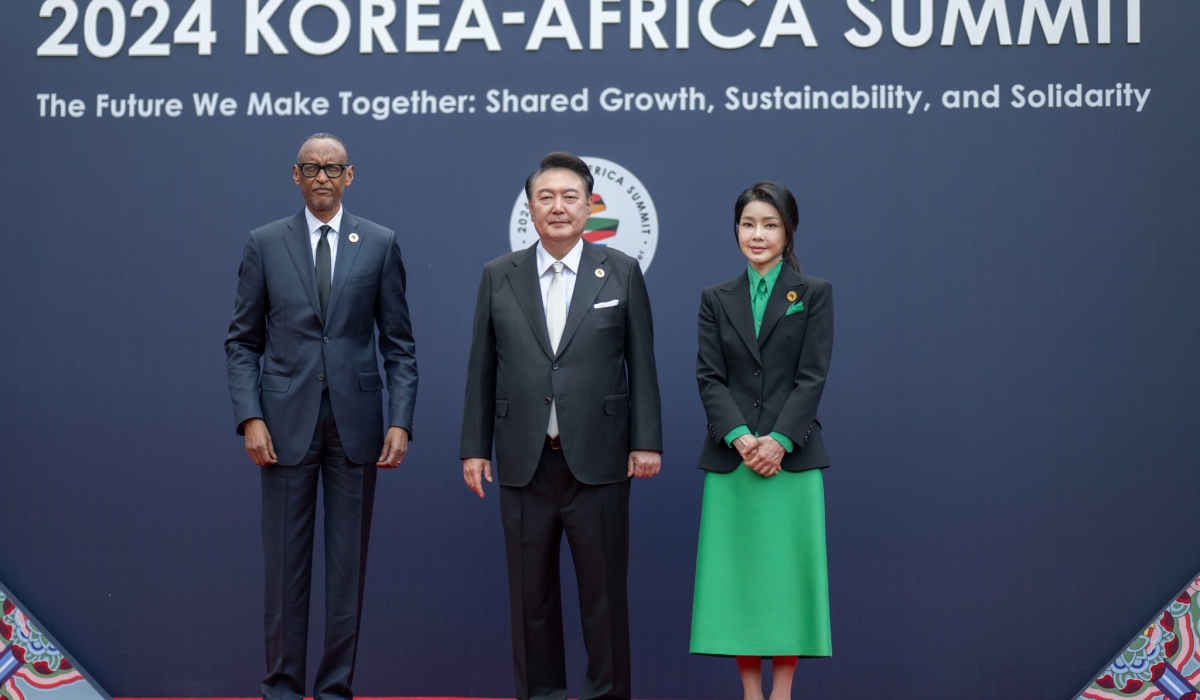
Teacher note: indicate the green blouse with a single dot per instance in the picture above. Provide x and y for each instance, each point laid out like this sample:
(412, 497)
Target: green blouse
(760, 292)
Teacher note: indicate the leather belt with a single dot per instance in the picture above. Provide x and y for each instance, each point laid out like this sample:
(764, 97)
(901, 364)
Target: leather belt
(554, 443)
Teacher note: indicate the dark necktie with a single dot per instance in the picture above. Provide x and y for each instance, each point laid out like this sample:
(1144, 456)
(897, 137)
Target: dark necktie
(324, 270)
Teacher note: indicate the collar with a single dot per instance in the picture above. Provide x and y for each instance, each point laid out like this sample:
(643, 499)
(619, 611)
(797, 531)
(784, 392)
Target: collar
(314, 223)
(770, 277)
(571, 259)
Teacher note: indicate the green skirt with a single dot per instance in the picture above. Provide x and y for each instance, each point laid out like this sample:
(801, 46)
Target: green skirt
(762, 584)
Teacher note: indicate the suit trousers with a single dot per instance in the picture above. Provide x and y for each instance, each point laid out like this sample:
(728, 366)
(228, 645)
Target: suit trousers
(596, 522)
(289, 504)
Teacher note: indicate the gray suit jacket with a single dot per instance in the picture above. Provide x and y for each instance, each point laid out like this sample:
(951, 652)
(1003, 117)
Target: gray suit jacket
(772, 383)
(603, 378)
(277, 319)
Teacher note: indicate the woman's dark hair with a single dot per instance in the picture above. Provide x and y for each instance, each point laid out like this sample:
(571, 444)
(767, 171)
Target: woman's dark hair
(779, 197)
(561, 160)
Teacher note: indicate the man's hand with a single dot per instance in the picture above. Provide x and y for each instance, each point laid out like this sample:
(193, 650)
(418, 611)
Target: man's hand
(472, 468)
(258, 442)
(395, 446)
(644, 463)
(747, 446)
(767, 459)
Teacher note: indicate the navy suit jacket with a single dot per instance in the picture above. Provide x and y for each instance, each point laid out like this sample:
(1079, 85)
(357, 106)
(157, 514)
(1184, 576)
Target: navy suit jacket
(281, 356)
(603, 378)
(772, 383)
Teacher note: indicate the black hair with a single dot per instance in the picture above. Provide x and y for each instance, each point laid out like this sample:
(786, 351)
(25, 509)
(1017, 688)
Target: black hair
(320, 135)
(779, 197)
(561, 160)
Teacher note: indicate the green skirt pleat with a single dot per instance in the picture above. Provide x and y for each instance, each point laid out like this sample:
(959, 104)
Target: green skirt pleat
(762, 583)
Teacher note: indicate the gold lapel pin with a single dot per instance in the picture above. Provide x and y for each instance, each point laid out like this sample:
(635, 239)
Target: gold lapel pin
(599, 272)
(354, 239)
(791, 295)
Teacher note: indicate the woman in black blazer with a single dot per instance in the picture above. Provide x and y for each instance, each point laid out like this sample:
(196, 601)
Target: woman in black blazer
(766, 337)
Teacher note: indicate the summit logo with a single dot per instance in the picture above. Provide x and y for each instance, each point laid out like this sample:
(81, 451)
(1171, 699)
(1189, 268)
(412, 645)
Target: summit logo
(623, 214)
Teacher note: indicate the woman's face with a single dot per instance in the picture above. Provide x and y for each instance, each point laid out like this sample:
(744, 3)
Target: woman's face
(761, 235)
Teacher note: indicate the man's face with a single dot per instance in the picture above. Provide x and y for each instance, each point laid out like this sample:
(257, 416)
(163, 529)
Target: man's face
(322, 193)
(560, 207)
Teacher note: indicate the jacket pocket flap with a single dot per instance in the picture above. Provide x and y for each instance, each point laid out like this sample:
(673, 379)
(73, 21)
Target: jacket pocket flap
(616, 404)
(274, 382)
(501, 408)
(370, 381)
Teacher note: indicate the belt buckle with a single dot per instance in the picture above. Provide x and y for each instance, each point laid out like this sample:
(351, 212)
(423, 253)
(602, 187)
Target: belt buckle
(554, 442)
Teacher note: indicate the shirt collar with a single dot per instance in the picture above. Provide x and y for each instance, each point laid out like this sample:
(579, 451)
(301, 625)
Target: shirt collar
(314, 224)
(571, 259)
(770, 277)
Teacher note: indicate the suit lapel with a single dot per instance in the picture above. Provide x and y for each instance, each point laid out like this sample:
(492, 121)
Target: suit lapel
(347, 253)
(587, 286)
(789, 281)
(735, 299)
(523, 279)
(299, 245)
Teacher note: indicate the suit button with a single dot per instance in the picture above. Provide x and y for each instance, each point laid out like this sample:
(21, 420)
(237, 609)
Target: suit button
(321, 378)
(554, 367)
(326, 340)
(547, 400)
(756, 403)
(756, 372)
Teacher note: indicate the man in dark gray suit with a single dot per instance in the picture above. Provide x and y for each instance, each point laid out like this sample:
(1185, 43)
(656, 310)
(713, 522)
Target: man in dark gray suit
(562, 375)
(312, 289)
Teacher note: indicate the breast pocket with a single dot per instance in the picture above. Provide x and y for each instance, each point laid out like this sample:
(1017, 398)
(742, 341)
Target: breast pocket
(611, 317)
(364, 280)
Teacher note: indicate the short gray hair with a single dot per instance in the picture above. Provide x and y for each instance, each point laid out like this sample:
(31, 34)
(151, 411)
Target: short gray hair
(322, 135)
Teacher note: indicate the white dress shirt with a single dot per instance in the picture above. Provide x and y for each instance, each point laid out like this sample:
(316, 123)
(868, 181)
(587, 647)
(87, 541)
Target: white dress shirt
(314, 235)
(545, 262)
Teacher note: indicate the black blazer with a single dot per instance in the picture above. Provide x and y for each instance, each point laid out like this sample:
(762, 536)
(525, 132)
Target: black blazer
(772, 383)
(281, 356)
(603, 377)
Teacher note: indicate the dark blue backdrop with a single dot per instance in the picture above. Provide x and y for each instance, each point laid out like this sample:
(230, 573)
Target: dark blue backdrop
(1012, 406)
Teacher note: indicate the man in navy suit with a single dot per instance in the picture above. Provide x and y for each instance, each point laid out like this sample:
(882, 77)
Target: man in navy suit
(307, 395)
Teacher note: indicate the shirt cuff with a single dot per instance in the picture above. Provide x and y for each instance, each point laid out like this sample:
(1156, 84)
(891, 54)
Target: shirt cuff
(735, 434)
(784, 440)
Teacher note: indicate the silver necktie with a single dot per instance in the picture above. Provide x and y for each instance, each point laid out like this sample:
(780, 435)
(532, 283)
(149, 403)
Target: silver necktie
(556, 320)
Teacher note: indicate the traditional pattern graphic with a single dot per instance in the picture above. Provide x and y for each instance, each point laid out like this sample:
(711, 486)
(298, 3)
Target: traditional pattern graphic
(1162, 661)
(32, 664)
(598, 228)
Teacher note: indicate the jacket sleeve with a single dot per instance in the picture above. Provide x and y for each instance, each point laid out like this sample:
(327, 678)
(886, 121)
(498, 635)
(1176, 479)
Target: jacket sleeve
(479, 404)
(247, 338)
(644, 400)
(712, 375)
(396, 343)
(800, 408)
